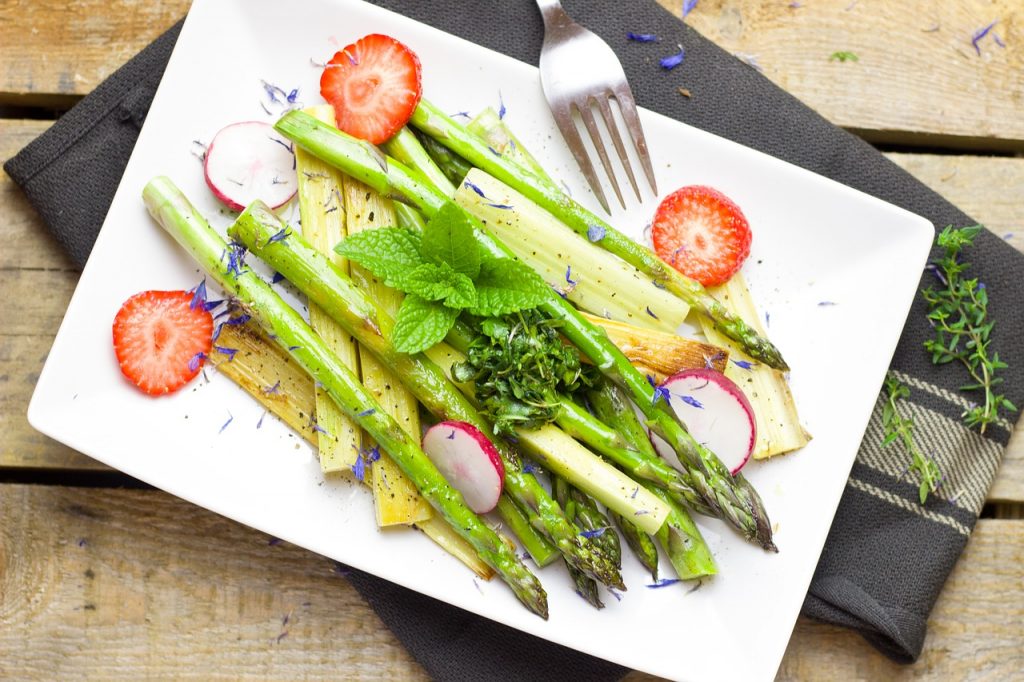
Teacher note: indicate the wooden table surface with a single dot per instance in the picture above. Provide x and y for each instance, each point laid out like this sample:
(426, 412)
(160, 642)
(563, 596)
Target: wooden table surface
(98, 581)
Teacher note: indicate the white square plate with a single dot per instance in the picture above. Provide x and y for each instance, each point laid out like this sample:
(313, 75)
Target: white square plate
(814, 240)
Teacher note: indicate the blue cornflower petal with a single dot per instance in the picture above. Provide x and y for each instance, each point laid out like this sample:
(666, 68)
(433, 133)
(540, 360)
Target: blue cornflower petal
(198, 296)
(981, 33)
(660, 392)
(596, 233)
(692, 402)
(280, 236)
(641, 37)
(193, 363)
(596, 533)
(473, 187)
(672, 61)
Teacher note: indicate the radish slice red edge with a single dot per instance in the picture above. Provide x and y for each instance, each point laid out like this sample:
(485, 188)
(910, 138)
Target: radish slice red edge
(716, 413)
(248, 161)
(468, 461)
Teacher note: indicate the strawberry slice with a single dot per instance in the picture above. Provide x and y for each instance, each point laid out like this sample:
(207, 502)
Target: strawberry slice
(374, 85)
(161, 339)
(701, 233)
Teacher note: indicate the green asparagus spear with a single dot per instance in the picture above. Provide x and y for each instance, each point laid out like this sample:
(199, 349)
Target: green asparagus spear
(536, 545)
(314, 275)
(585, 586)
(640, 542)
(451, 164)
(679, 536)
(179, 218)
(431, 121)
(683, 542)
(405, 147)
(728, 496)
(583, 511)
(491, 129)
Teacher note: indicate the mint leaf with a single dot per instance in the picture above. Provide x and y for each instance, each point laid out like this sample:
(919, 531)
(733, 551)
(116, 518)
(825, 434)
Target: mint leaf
(506, 286)
(441, 283)
(390, 253)
(421, 324)
(449, 239)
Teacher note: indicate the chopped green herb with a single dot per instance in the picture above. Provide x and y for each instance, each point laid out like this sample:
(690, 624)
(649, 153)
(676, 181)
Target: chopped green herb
(843, 56)
(519, 364)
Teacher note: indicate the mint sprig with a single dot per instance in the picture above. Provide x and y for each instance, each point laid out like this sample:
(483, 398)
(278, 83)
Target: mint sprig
(444, 272)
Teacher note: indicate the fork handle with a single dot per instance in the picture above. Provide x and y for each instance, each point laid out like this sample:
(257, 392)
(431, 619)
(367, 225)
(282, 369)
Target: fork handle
(554, 15)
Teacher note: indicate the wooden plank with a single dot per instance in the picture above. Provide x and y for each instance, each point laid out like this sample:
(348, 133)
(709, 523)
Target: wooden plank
(922, 84)
(30, 313)
(119, 584)
(37, 272)
(127, 585)
(52, 52)
(917, 79)
(21, 446)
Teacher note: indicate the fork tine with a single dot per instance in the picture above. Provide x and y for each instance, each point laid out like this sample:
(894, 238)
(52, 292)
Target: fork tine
(613, 130)
(627, 106)
(563, 117)
(587, 114)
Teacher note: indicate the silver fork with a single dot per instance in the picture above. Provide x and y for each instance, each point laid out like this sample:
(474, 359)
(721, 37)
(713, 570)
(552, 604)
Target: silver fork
(578, 71)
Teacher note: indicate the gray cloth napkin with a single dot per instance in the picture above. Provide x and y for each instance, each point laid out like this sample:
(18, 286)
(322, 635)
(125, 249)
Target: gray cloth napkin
(887, 556)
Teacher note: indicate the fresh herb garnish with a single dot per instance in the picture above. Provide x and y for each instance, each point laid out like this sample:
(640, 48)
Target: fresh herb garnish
(518, 365)
(901, 428)
(444, 272)
(843, 56)
(958, 312)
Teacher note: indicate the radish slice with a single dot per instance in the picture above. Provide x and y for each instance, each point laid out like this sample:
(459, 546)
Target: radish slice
(248, 161)
(468, 461)
(716, 414)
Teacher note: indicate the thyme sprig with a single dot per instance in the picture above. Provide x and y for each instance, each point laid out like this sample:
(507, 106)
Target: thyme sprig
(958, 312)
(898, 427)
